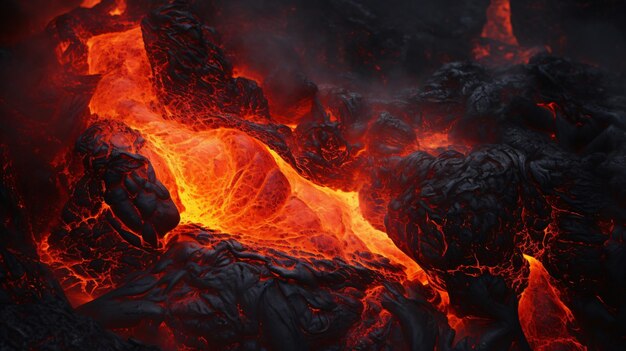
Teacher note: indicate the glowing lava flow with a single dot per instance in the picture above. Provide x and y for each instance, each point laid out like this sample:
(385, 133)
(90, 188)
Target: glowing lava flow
(544, 317)
(498, 41)
(224, 179)
(498, 26)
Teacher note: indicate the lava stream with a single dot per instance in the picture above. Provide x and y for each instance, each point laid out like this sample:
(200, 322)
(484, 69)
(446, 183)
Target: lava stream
(224, 179)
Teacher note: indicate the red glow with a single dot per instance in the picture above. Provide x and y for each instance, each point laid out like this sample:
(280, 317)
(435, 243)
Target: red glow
(120, 8)
(545, 320)
(223, 179)
(498, 26)
(246, 72)
(498, 42)
(550, 106)
(89, 3)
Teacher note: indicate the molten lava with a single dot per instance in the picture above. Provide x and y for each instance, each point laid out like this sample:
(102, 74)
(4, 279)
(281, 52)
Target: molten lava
(498, 42)
(224, 179)
(546, 321)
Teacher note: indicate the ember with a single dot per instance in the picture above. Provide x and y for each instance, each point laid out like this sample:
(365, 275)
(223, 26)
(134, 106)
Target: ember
(188, 175)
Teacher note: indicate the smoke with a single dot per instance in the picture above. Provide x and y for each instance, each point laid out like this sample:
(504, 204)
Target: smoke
(590, 31)
(354, 44)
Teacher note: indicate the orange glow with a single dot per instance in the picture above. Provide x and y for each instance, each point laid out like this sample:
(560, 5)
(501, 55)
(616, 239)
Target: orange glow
(79, 287)
(120, 8)
(127, 85)
(544, 317)
(89, 3)
(498, 26)
(480, 51)
(434, 141)
(499, 43)
(245, 72)
(224, 179)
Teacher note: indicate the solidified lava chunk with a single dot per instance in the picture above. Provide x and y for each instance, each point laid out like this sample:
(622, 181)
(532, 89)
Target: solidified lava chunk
(34, 312)
(117, 211)
(192, 72)
(111, 150)
(542, 189)
(212, 293)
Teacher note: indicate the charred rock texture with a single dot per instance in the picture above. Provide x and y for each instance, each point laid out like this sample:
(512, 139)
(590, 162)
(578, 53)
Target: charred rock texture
(118, 212)
(194, 79)
(333, 128)
(192, 72)
(324, 154)
(460, 218)
(34, 313)
(110, 151)
(543, 192)
(50, 324)
(213, 293)
(486, 181)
